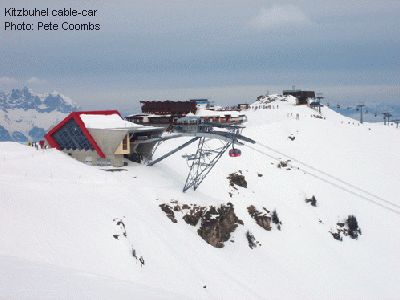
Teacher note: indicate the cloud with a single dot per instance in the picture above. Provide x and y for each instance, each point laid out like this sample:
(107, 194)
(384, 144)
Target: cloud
(279, 16)
(34, 81)
(7, 82)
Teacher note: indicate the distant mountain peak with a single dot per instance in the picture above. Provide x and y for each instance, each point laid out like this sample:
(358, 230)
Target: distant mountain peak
(26, 99)
(26, 115)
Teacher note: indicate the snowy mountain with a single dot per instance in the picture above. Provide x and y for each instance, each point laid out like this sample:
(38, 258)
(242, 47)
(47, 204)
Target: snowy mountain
(311, 211)
(25, 115)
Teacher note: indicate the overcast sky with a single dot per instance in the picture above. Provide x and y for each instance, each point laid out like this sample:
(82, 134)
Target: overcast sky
(229, 51)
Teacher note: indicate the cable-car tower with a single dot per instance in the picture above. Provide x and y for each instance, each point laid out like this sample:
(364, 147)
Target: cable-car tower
(213, 140)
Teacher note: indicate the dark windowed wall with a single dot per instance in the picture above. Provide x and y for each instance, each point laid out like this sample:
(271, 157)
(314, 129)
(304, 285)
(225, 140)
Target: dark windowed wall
(71, 137)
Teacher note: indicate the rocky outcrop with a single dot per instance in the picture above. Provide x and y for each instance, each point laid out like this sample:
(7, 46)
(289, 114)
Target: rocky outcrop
(251, 240)
(284, 164)
(237, 179)
(217, 224)
(169, 211)
(349, 227)
(312, 201)
(193, 215)
(275, 220)
(263, 219)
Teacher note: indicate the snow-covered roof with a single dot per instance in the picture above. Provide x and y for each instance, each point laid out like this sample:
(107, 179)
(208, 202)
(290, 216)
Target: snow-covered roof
(216, 113)
(113, 121)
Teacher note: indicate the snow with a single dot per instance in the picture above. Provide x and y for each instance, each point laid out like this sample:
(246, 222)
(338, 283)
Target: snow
(56, 218)
(216, 113)
(23, 120)
(113, 121)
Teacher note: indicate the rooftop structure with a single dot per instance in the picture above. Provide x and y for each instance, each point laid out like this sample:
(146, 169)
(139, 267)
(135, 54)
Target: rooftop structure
(200, 103)
(302, 96)
(168, 107)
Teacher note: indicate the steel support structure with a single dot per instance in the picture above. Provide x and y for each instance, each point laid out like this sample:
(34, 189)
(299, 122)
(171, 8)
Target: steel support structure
(202, 162)
(212, 144)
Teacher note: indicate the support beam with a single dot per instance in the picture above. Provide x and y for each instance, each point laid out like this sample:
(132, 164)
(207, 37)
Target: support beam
(361, 107)
(152, 163)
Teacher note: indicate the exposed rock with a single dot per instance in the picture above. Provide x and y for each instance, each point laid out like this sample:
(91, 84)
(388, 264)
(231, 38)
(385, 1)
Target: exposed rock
(218, 224)
(261, 218)
(237, 179)
(194, 215)
(169, 211)
(349, 227)
(253, 243)
(284, 164)
(336, 236)
(352, 227)
(260, 175)
(276, 220)
(312, 201)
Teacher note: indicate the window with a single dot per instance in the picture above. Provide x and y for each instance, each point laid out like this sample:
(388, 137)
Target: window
(125, 143)
(71, 137)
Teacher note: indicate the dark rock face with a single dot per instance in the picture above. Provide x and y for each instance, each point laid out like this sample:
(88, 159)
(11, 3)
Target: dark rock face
(194, 215)
(169, 211)
(237, 179)
(349, 227)
(352, 226)
(276, 220)
(283, 164)
(253, 243)
(262, 218)
(218, 224)
(312, 201)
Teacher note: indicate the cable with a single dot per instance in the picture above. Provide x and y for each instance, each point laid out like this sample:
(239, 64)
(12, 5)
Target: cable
(330, 182)
(331, 176)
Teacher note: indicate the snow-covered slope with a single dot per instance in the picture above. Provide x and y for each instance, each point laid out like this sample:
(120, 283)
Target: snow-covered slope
(25, 115)
(58, 218)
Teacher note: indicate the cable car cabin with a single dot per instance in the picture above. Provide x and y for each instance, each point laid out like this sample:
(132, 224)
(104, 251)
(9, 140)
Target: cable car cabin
(235, 153)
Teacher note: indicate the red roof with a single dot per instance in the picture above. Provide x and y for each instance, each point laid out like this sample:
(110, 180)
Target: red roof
(77, 117)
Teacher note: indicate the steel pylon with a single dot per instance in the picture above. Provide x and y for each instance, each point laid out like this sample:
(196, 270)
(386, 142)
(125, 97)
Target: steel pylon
(202, 162)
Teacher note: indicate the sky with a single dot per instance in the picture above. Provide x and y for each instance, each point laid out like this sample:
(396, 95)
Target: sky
(227, 51)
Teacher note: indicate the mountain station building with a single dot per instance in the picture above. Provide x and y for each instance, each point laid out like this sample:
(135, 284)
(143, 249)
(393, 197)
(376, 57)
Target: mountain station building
(101, 137)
